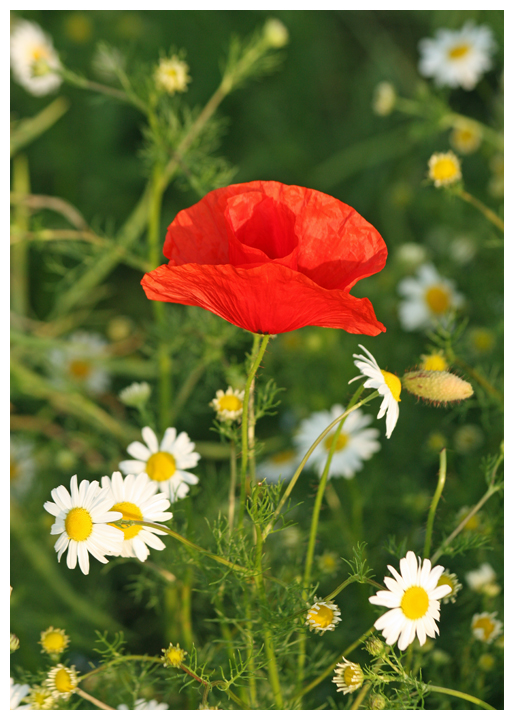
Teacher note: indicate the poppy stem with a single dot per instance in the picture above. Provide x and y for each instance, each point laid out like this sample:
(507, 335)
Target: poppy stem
(260, 343)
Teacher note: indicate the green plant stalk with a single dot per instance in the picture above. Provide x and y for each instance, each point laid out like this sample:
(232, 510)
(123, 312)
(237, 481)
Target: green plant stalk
(260, 343)
(29, 129)
(93, 700)
(268, 638)
(307, 455)
(19, 253)
(232, 489)
(117, 661)
(487, 212)
(185, 609)
(249, 653)
(458, 694)
(435, 500)
(360, 697)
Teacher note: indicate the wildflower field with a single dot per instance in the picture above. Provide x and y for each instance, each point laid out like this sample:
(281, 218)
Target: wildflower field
(257, 360)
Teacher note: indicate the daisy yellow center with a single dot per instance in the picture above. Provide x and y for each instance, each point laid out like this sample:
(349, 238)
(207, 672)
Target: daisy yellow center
(283, 457)
(350, 675)
(39, 698)
(160, 466)
(433, 362)
(78, 524)
(393, 383)
(341, 441)
(39, 52)
(414, 602)
(129, 511)
(445, 168)
(473, 523)
(437, 299)
(486, 625)
(175, 656)
(459, 51)
(80, 369)
(53, 642)
(323, 616)
(446, 580)
(230, 403)
(63, 681)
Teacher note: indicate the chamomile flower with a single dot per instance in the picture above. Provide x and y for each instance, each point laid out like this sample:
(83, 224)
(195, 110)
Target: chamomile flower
(143, 704)
(135, 395)
(165, 464)
(348, 676)
(427, 299)
(328, 563)
(444, 169)
(457, 57)
(387, 384)
(81, 521)
(78, 363)
(34, 61)
(40, 698)
(280, 466)
(229, 404)
(434, 361)
(171, 75)
(54, 641)
(483, 580)
(486, 627)
(62, 681)
(384, 99)
(413, 597)
(174, 656)
(466, 136)
(449, 578)
(355, 443)
(18, 692)
(136, 498)
(323, 616)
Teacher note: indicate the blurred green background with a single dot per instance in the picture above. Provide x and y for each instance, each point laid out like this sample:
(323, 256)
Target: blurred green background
(309, 123)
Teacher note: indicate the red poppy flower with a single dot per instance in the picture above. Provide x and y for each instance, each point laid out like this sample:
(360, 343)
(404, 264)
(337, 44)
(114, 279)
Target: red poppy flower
(271, 258)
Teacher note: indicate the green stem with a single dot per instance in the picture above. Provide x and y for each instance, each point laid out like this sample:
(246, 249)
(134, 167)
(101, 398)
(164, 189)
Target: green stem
(458, 694)
(92, 700)
(487, 212)
(435, 500)
(232, 490)
(260, 343)
(307, 455)
(185, 609)
(121, 659)
(249, 653)
(360, 697)
(19, 252)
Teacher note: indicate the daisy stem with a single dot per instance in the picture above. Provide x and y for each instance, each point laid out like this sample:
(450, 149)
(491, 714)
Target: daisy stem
(487, 212)
(360, 697)
(260, 343)
(435, 500)
(19, 252)
(93, 700)
(307, 455)
(121, 659)
(232, 490)
(458, 694)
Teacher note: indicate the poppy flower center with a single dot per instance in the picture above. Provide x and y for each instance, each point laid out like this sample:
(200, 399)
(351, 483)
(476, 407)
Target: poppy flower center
(323, 616)
(283, 457)
(341, 442)
(160, 466)
(230, 403)
(437, 299)
(270, 227)
(486, 625)
(78, 524)
(393, 383)
(53, 642)
(80, 369)
(63, 681)
(458, 52)
(129, 511)
(414, 602)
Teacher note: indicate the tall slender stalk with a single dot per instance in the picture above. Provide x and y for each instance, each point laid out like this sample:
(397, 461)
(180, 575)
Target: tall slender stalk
(19, 252)
(479, 205)
(435, 500)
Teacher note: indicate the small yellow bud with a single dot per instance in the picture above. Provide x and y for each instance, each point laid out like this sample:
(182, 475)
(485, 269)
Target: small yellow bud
(275, 33)
(437, 386)
(375, 646)
(174, 656)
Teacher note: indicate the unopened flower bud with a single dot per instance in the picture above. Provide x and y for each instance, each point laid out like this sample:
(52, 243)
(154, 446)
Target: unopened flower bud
(377, 702)
(14, 642)
(437, 386)
(275, 33)
(374, 646)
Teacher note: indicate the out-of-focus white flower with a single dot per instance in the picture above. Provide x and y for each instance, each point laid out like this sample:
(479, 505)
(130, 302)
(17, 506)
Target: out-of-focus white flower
(18, 692)
(411, 254)
(483, 580)
(486, 627)
(457, 57)
(135, 395)
(165, 464)
(79, 362)
(34, 61)
(23, 465)
(466, 136)
(275, 33)
(444, 169)
(463, 250)
(428, 298)
(280, 466)
(143, 704)
(171, 75)
(355, 443)
(384, 99)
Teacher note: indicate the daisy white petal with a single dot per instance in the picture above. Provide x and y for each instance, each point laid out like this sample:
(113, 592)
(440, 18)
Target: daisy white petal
(427, 299)
(150, 439)
(417, 602)
(139, 451)
(34, 61)
(132, 467)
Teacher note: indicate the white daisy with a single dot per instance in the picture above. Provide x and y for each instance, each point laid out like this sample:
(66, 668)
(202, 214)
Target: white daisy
(486, 627)
(229, 404)
(482, 580)
(348, 676)
(137, 499)
(23, 465)
(428, 298)
(171, 75)
(135, 395)
(457, 57)
(323, 616)
(414, 598)
(165, 464)
(62, 681)
(18, 692)
(78, 362)
(354, 444)
(280, 466)
(34, 61)
(387, 384)
(143, 704)
(81, 520)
